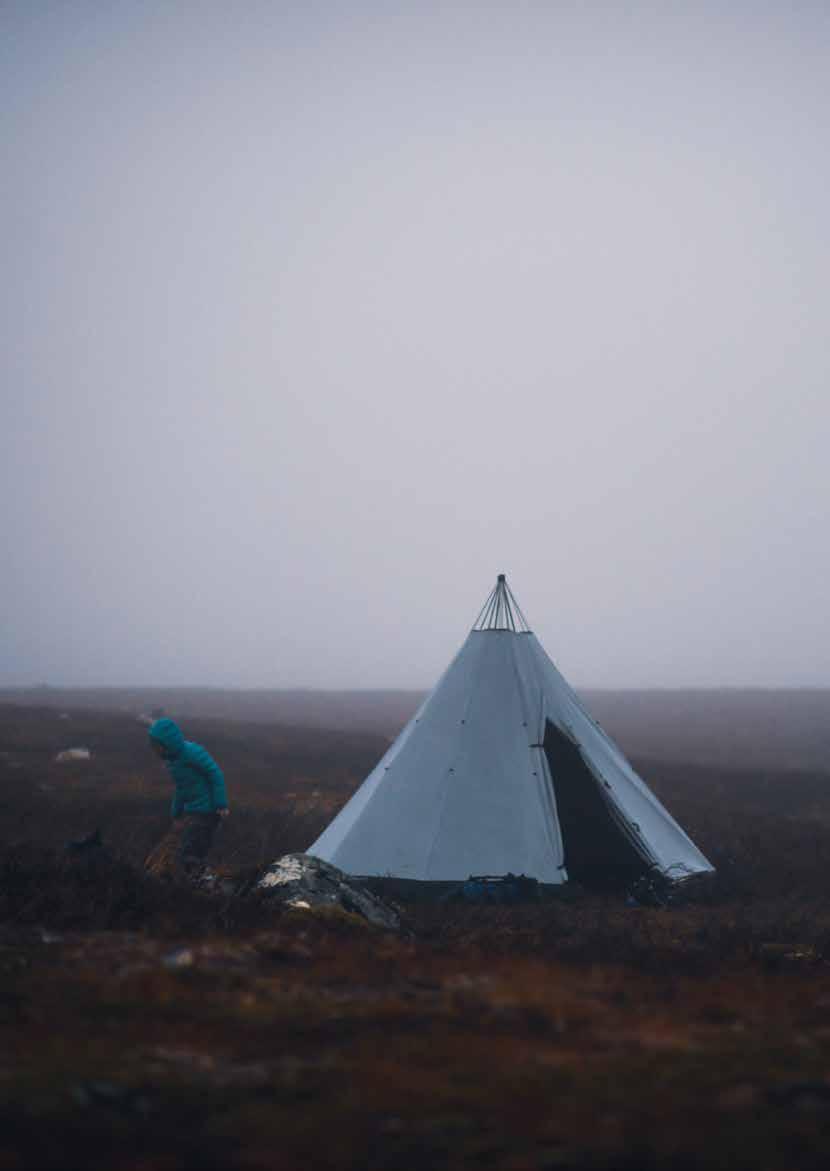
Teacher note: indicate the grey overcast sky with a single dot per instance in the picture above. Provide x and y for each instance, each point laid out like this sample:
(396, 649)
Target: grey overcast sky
(317, 316)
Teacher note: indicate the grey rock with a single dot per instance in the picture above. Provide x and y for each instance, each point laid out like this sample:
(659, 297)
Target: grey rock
(305, 882)
(109, 1095)
(73, 754)
(182, 957)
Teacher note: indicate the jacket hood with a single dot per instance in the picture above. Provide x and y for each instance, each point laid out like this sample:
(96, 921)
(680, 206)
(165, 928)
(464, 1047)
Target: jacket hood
(168, 734)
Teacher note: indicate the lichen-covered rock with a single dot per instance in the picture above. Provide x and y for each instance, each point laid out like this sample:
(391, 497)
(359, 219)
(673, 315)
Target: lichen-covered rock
(303, 881)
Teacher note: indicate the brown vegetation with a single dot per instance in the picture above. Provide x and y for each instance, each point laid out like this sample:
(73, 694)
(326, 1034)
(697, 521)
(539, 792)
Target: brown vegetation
(144, 1025)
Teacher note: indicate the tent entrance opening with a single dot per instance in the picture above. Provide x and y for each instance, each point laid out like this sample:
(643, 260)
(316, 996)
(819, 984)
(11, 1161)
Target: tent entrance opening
(600, 849)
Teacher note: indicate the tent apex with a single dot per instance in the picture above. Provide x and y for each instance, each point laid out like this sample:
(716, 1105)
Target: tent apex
(501, 611)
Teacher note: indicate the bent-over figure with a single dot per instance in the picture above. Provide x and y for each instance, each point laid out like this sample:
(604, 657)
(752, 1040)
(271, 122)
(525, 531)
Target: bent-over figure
(199, 802)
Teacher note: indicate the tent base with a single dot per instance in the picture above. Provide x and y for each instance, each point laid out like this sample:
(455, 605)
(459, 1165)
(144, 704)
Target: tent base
(411, 890)
(651, 888)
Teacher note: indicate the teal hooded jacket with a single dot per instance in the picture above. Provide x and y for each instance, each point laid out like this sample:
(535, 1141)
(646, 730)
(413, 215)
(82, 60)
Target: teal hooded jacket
(200, 785)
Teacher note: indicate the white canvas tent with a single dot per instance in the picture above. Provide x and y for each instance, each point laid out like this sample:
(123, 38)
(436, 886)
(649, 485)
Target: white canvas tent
(502, 770)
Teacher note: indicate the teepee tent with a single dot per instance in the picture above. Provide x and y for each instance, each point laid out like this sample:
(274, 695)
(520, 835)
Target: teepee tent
(502, 770)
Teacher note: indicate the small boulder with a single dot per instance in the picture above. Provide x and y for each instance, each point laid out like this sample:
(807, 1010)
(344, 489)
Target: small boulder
(180, 957)
(73, 754)
(90, 841)
(305, 882)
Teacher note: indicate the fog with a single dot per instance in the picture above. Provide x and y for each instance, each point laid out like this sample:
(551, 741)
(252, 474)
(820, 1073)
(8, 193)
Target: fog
(317, 317)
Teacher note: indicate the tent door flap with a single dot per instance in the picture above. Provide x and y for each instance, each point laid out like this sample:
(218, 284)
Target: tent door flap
(601, 848)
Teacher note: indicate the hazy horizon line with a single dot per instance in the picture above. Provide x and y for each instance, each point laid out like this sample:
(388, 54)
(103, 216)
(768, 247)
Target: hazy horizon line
(7, 688)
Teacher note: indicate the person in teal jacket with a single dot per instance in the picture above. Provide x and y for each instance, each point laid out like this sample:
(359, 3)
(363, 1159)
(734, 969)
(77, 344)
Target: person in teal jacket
(199, 799)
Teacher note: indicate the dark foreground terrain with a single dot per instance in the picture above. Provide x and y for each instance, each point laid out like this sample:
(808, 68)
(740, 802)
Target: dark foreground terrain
(144, 1026)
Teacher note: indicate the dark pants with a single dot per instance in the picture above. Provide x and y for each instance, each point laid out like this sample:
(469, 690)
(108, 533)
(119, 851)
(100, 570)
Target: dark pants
(183, 849)
(199, 830)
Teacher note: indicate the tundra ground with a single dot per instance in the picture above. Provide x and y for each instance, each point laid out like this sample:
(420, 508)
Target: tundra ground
(144, 1026)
